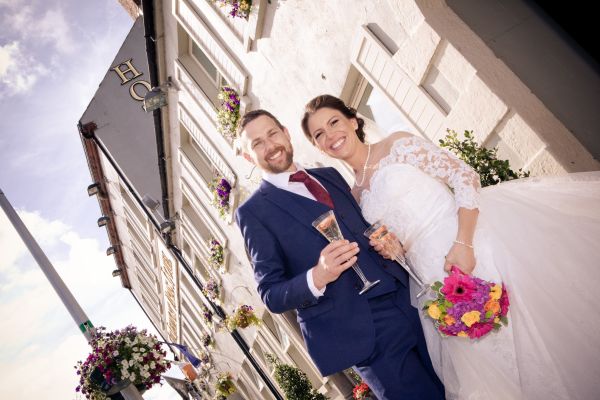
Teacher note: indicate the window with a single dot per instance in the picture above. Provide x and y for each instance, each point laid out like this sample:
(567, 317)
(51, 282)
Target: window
(381, 115)
(201, 67)
(208, 67)
(196, 155)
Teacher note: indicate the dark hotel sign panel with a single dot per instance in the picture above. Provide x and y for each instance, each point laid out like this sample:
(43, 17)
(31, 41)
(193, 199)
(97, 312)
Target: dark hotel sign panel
(123, 127)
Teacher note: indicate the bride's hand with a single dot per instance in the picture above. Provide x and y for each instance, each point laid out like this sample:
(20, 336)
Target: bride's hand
(389, 247)
(462, 256)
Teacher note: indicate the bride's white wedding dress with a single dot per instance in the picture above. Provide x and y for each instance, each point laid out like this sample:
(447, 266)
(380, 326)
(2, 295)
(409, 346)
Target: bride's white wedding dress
(539, 236)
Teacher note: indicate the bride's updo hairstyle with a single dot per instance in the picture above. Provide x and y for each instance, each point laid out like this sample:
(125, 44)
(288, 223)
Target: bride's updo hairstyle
(328, 101)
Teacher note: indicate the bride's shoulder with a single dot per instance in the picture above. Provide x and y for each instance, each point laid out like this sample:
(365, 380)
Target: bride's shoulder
(399, 140)
(394, 137)
(393, 140)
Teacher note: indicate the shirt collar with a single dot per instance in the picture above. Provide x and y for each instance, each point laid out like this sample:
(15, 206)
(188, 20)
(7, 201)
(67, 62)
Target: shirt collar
(282, 179)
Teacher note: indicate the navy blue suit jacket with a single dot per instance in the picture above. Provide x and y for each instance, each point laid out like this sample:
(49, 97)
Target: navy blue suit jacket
(283, 245)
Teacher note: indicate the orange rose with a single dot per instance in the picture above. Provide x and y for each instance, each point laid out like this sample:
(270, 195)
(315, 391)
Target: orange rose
(492, 305)
(449, 319)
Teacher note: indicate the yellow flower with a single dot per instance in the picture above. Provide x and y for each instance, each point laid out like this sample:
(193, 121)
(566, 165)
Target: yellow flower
(433, 311)
(449, 319)
(470, 318)
(497, 320)
(462, 334)
(496, 292)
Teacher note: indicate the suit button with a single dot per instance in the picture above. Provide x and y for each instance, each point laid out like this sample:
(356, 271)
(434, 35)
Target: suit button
(305, 304)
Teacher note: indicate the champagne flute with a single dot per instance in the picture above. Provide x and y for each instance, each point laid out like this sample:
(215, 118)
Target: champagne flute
(328, 226)
(378, 231)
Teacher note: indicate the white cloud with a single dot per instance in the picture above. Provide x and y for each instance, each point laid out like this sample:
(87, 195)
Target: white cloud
(47, 28)
(38, 340)
(54, 29)
(18, 71)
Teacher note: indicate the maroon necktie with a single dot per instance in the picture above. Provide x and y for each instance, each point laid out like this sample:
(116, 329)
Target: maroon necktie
(313, 187)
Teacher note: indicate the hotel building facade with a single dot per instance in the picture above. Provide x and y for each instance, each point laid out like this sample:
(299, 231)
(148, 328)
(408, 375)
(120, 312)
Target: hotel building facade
(421, 66)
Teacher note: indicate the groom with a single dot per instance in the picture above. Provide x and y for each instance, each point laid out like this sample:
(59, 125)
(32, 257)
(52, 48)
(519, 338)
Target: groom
(378, 332)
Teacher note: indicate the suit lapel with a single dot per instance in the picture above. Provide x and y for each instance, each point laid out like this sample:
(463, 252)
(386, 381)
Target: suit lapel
(326, 178)
(302, 209)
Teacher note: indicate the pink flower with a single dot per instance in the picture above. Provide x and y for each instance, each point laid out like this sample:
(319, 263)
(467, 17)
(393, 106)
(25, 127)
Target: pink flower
(479, 329)
(504, 302)
(459, 287)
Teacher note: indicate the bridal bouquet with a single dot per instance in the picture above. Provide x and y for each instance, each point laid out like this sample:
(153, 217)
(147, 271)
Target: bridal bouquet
(467, 306)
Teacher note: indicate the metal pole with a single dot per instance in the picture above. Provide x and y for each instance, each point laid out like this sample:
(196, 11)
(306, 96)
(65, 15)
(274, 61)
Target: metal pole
(77, 313)
(81, 320)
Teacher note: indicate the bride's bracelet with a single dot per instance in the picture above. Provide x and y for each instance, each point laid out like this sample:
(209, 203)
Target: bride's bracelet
(463, 243)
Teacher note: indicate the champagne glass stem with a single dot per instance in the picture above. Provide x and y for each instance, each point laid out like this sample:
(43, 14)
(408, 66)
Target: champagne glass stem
(402, 261)
(360, 274)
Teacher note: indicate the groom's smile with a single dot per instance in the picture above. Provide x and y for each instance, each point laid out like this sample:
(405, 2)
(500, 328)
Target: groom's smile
(267, 145)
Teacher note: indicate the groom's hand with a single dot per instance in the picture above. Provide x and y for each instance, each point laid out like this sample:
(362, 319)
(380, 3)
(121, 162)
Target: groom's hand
(335, 258)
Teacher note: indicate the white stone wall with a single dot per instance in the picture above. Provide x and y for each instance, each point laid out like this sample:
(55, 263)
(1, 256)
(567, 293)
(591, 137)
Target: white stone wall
(441, 76)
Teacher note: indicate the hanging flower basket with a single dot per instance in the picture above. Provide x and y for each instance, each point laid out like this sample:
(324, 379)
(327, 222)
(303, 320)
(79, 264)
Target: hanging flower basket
(221, 190)
(207, 340)
(212, 290)
(207, 314)
(228, 113)
(237, 8)
(205, 363)
(126, 354)
(224, 385)
(242, 317)
(217, 255)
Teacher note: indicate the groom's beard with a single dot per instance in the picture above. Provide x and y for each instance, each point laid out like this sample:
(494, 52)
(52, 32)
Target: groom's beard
(275, 168)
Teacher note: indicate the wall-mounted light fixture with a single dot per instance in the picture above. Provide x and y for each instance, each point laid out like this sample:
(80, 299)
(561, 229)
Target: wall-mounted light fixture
(93, 189)
(111, 250)
(155, 99)
(167, 226)
(103, 220)
(116, 273)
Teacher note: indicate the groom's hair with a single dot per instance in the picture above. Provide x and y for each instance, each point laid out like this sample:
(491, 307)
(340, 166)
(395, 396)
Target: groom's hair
(251, 116)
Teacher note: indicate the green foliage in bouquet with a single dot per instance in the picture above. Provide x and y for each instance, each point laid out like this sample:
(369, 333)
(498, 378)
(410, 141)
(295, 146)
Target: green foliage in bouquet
(484, 161)
(294, 382)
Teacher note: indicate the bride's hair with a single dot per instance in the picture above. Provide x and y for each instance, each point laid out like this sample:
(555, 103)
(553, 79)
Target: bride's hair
(328, 101)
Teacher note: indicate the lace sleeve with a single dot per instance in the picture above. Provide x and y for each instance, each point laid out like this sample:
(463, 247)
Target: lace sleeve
(441, 164)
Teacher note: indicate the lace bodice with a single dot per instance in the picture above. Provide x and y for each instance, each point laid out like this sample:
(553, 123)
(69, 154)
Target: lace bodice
(416, 190)
(437, 163)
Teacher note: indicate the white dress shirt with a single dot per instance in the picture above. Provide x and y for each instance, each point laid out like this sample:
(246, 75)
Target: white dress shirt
(282, 181)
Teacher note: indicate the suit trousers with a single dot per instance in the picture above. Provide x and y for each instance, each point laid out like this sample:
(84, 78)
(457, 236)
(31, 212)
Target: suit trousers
(399, 367)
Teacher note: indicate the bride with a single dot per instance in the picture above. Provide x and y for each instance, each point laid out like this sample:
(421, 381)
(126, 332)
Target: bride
(538, 236)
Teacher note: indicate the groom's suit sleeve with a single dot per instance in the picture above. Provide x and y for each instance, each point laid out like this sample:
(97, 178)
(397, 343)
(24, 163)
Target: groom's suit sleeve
(279, 291)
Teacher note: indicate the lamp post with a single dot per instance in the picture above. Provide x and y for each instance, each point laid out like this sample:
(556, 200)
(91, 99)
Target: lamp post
(81, 319)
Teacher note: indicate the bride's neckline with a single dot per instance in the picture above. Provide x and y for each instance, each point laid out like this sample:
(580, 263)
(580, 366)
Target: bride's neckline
(376, 167)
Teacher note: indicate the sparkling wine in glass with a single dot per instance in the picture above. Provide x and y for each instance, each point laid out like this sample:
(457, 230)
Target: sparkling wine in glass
(379, 232)
(328, 226)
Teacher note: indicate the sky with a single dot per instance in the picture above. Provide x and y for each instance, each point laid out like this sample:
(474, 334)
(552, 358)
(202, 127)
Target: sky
(53, 55)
